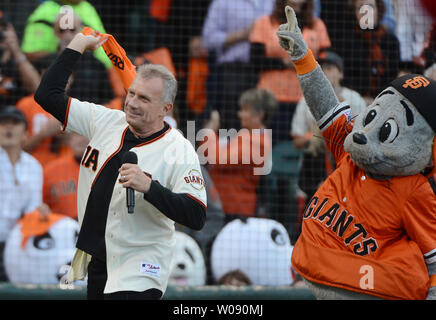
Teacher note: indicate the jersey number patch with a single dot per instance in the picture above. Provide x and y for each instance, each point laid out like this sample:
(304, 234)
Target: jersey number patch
(90, 158)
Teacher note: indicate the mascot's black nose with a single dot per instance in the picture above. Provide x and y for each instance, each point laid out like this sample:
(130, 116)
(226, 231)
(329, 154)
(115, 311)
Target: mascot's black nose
(359, 138)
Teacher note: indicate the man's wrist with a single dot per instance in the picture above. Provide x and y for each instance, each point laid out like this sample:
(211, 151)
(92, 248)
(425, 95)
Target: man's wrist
(77, 45)
(149, 183)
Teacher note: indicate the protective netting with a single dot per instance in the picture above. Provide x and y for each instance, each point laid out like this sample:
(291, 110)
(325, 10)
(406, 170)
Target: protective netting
(232, 75)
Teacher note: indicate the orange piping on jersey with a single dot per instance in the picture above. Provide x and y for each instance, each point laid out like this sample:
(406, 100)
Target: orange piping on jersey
(66, 114)
(197, 200)
(306, 64)
(111, 156)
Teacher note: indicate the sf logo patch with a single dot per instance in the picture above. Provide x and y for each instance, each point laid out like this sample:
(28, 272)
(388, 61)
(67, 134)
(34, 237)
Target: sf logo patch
(416, 82)
(195, 179)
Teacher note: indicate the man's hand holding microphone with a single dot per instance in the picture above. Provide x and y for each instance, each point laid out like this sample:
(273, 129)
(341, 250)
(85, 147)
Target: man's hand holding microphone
(133, 178)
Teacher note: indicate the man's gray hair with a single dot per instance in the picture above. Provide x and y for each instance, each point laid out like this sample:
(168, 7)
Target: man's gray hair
(149, 71)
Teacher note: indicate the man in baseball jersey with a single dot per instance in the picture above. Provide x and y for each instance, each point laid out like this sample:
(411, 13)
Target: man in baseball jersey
(127, 256)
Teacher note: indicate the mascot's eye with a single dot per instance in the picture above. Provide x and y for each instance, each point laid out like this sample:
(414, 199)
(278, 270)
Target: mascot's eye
(44, 242)
(277, 237)
(189, 253)
(389, 131)
(369, 117)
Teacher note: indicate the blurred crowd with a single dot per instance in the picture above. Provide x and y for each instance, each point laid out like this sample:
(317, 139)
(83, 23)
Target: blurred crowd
(232, 74)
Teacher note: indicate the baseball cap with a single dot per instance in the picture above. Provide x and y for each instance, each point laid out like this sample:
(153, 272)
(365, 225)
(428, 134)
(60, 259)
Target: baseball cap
(11, 112)
(421, 91)
(332, 58)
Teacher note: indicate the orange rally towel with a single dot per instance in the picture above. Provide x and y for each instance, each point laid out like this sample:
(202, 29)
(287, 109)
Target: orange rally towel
(35, 224)
(124, 67)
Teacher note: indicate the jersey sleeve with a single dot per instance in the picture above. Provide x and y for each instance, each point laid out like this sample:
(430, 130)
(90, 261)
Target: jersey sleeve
(420, 220)
(82, 117)
(187, 176)
(335, 126)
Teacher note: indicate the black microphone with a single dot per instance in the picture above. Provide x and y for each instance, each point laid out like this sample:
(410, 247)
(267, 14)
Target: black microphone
(130, 157)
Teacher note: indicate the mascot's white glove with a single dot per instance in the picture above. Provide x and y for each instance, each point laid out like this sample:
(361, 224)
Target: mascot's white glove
(290, 36)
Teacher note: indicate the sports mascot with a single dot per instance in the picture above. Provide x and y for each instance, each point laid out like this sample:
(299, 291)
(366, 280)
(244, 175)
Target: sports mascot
(370, 229)
(39, 249)
(259, 248)
(188, 267)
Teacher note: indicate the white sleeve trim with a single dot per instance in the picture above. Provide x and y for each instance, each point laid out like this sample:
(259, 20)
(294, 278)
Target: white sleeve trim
(333, 114)
(430, 257)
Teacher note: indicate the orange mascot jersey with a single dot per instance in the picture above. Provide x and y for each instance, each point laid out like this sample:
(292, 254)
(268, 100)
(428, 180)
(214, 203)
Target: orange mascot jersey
(60, 186)
(354, 225)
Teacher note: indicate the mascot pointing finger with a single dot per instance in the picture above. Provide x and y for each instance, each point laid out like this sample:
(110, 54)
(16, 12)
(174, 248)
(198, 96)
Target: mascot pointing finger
(370, 229)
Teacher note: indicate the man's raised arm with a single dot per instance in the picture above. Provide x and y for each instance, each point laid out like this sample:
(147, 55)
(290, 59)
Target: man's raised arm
(51, 94)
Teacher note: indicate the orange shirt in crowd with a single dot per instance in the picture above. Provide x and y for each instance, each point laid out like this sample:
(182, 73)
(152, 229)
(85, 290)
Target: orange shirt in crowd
(36, 118)
(237, 183)
(60, 186)
(196, 93)
(356, 226)
(284, 83)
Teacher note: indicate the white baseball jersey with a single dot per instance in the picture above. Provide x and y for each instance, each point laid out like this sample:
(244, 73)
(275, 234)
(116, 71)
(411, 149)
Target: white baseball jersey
(139, 246)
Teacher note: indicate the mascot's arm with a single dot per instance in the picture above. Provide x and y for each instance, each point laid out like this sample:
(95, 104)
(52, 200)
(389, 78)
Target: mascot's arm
(431, 295)
(317, 90)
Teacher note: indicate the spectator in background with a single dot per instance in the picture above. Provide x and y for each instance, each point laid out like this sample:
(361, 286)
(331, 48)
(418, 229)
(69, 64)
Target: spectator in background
(89, 82)
(225, 35)
(336, 15)
(20, 176)
(370, 51)
(276, 70)
(234, 278)
(429, 52)
(43, 139)
(388, 19)
(39, 37)
(430, 72)
(184, 25)
(18, 77)
(305, 133)
(237, 183)
(412, 29)
(61, 177)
